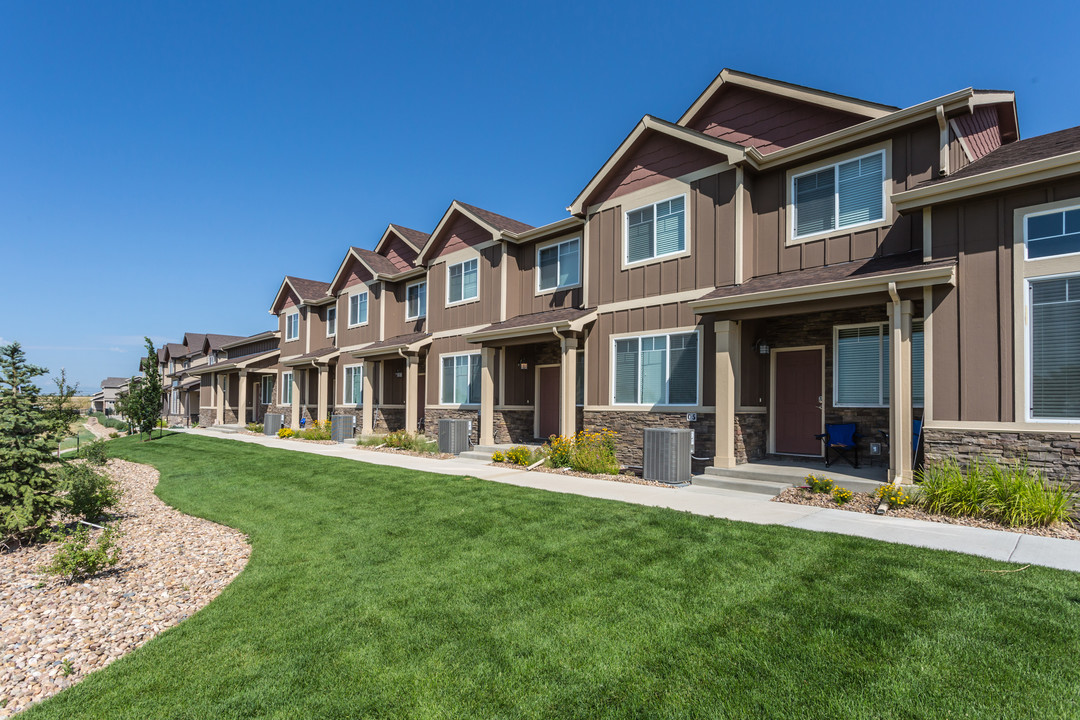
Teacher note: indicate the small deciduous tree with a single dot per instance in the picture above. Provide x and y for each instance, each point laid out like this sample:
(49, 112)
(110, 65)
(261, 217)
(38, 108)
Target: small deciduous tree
(30, 493)
(141, 404)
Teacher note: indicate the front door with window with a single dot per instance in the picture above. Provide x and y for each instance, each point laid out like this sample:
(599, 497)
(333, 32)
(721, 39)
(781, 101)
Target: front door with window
(547, 401)
(797, 402)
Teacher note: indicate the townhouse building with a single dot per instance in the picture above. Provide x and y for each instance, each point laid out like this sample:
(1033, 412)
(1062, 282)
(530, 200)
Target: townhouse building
(777, 259)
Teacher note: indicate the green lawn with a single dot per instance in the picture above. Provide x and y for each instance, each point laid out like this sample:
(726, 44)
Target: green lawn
(376, 592)
(78, 430)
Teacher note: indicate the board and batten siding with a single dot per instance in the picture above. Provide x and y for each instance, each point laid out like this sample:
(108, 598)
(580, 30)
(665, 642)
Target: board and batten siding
(522, 280)
(394, 298)
(656, 159)
(484, 310)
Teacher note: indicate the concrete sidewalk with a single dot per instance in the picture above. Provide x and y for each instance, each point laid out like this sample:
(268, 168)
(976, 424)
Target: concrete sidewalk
(729, 504)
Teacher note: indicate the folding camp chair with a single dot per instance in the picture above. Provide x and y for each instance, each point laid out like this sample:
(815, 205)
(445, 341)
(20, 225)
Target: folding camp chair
(842, 439)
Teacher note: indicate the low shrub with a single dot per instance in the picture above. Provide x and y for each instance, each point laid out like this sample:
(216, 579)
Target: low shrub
(498, 457)
(94, 452)
(255, 427)
(316, 431)
(589, 451)
(90, 493)
(560, 451)
(819, 483)
(110, 422)
(77, 559)
(286, 433)
(895, 495)
(841, 495)
(519, 455)
(162, 423)
(403, 440)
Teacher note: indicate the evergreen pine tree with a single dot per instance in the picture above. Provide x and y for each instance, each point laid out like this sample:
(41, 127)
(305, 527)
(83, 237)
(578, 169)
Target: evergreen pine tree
(141, 404)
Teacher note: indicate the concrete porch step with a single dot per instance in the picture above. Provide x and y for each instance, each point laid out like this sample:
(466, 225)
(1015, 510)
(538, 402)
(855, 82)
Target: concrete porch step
(774, 478)
(768, 488)
(476, 454)
(227, 429)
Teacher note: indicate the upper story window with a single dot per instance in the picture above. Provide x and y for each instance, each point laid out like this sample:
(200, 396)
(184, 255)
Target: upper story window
(172, 366)
(416, 300)
(292, 326)
(558, 265)
(657, 370)
(656, 230)
(460, 379)
(1052, 233)
(358, 309)
(841, 195)
(1054, 348)
(331, 321)
(861, 365)
(211, 358)
(461, 282)
(187, 364)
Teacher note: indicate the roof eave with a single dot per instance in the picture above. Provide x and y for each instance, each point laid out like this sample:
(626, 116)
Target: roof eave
(575, 325)
(254, 338)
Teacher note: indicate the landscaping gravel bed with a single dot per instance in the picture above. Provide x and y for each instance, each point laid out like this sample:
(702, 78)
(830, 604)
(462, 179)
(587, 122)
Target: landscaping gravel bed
(867, 503)
(413, 453)
(626, 477)
(53, 634)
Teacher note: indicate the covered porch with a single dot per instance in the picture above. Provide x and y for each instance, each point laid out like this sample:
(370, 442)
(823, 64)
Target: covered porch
(312, 377)
(393, 384)
(236, 388)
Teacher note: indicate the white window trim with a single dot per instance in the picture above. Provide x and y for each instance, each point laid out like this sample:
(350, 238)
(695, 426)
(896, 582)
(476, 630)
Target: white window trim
(883, 382)
(331, 327)
(1029, 376)
(885, 149)
(288, 316)
(285, 385)
(665, 256)
(650, 334)
(441, 378)
(348, 309)
(556, 244)
(346, 386)
(417, 284)
(1046, 212)
(463, 300)
(263, 392)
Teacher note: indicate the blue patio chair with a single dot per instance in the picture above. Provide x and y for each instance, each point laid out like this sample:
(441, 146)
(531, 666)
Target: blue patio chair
(916, 440)
(842, 440)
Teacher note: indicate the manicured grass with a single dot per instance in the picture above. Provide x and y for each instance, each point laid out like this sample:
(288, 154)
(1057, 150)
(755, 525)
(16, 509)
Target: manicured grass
(376, 592)
(78, 429)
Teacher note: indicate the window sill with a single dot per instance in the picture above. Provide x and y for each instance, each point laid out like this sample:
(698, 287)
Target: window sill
(627, 265)
(463, 302)
(551, 291)
(837, 232)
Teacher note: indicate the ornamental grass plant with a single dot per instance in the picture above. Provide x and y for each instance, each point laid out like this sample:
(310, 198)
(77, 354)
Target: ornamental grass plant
(589, 451)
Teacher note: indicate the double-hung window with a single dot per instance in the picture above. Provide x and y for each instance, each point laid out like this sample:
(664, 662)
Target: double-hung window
(461, 282)
(861, 365)
(286, 388)
(656, 230)
(211, 359)
(331, 321)
(1053, 233)
(1054, 347)
(657, 370)
(358, 309)
(460, 379)
(292, 326)
(558, 265)
(267, 390)
(843, 195)
(416, 301)
(174, 405)
(354, 385)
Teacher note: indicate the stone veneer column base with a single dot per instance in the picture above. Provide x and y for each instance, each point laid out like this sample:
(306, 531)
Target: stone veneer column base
(206, 417)
(514, 426)
(433, 415)
(630, 425)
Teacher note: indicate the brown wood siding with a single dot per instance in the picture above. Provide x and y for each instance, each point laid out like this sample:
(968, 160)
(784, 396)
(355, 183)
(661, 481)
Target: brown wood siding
(204, 391)
(655, 159)
(958, 159)
(711, 240)
(460, 233)
(483, 311)
(980, 131)
(767, 122)
(253, 348)
(361, 334)
(394, 297)
(660, 318)
(522, 281)
(356, 273)
(398, 252)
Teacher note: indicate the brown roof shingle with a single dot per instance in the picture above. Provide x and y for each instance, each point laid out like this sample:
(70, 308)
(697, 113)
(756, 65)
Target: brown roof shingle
(499, 222)
(416, 237)
(546, 317)
(378, 263)
(216, 341)
(396, 341)
(1020, 152)
(308, 290)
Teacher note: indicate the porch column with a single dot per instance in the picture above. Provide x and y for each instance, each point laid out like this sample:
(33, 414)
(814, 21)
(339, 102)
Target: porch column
(220, 414)
(295, 422)
(367, 411)
(900, 416)
(727, 343)
(487, 396)
(324, 374)
(412, 385)
(568, 389)
(241, 410)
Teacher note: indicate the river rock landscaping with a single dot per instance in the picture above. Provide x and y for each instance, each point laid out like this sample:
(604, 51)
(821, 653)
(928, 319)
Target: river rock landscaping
(171, 565)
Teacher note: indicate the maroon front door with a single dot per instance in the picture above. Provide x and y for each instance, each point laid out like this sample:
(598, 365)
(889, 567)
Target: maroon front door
(547, 401)
(797, 403)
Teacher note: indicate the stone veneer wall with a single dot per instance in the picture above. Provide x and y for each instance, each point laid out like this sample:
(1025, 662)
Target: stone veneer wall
(433, 415)
(631, 425)
(286, 412)
(206, 416)
(514, 426)
(389, 419)
(751, 436)
(230, 416)
(1056, 454)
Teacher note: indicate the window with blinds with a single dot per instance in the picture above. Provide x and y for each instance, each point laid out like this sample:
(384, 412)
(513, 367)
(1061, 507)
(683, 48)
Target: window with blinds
(354, 385)
(656, 230)
(1054, 343)
(558, 265)
(416, 301)
(461, 282)
(861, 365)
(657, 370)
(292, 327)
(358, 309)
(839, 196)
(1055, 233)
(460, 379)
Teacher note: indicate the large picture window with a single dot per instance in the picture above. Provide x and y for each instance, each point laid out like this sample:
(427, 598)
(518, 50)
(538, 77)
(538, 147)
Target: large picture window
(558, 265)
(460, 379)
(861, 365)
(1053, 233)
(354, 385)
(656, 230)
(416, 301)
(1054, 346)
(461, 284)
(843, 195)
(358, 309)
(657, 370)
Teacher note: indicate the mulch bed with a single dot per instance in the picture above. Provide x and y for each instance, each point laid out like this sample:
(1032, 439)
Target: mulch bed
(413, 453)
(867, 503)
(624, 477)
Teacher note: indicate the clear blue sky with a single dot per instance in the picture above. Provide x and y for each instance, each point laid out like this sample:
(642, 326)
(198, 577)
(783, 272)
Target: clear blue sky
(164, 164)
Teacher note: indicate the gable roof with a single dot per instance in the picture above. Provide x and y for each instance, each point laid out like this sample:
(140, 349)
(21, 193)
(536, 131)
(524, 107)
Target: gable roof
(172, 350)
(413, 238)
(500, 226)
(218, 342)
(310, 292)
(114, 382)
(194, 342)
(813, 96)
(381, 267)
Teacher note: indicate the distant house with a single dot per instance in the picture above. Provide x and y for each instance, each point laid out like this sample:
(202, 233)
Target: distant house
(111, 388)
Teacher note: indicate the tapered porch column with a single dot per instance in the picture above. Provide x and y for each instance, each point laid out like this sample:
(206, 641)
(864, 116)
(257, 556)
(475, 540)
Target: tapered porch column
(219, 418)
(900, 416)
(367, 411)
(487, 396)
(241, 410)
(727, 343)
(568, 388)
(324, 386)
(295, 422)
(412, 387)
